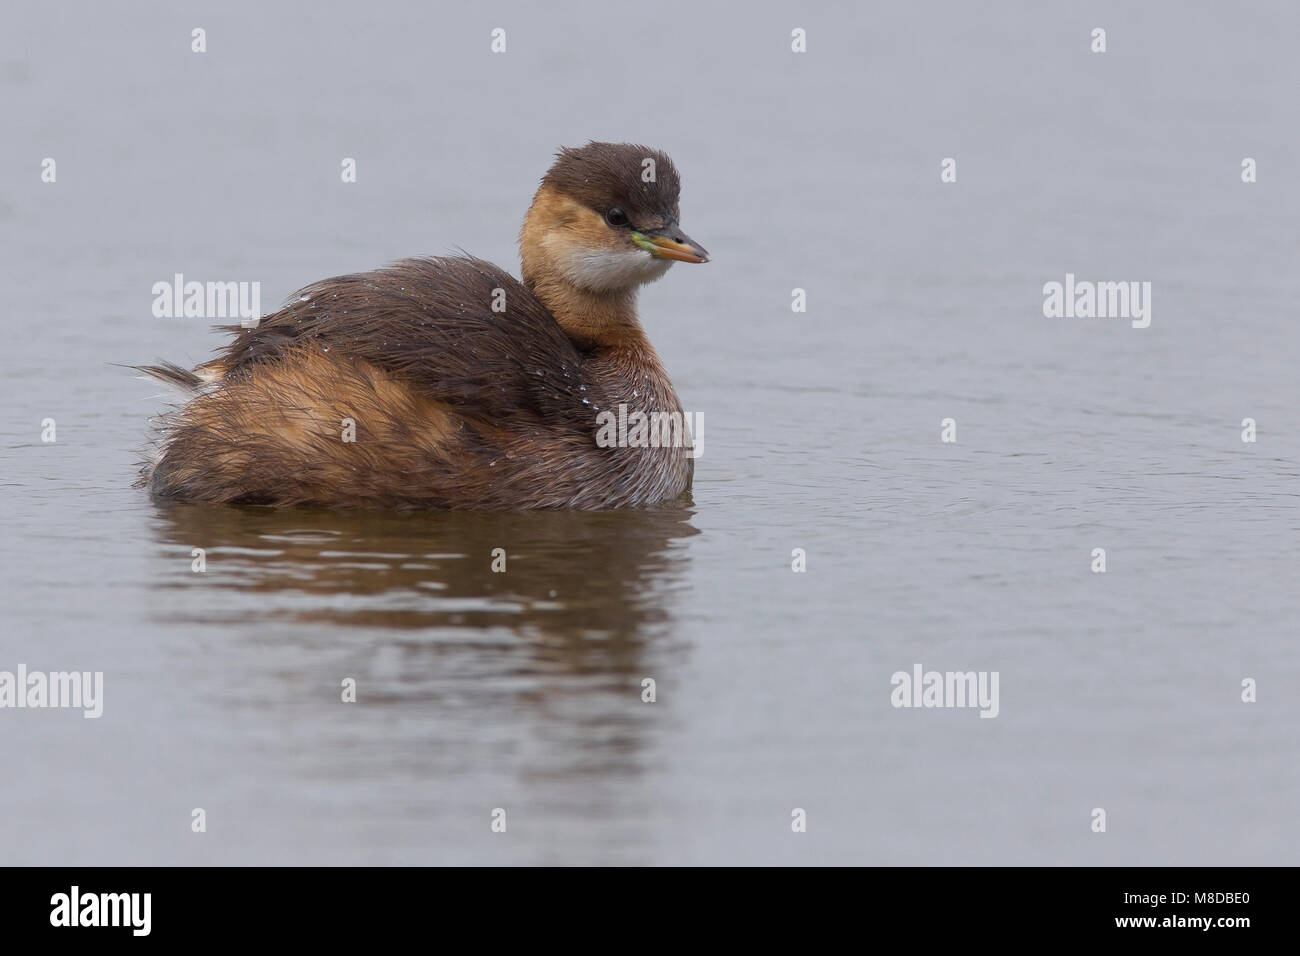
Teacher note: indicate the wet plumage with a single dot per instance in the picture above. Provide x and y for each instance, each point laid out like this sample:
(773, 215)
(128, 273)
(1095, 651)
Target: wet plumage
(463, 387)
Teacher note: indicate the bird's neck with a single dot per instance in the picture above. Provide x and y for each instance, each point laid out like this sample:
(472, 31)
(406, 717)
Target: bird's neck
(605, 327)
(595, 321)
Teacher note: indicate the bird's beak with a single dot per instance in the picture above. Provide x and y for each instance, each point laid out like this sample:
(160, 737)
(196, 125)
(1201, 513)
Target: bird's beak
(671, 243)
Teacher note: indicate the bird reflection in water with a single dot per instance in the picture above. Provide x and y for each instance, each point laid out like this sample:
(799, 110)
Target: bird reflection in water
(585, 593)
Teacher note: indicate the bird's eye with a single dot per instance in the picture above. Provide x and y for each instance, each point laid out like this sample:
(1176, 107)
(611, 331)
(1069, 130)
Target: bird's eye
(616, 217)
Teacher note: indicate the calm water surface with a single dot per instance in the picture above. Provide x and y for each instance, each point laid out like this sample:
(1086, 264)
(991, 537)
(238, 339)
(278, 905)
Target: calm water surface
(522, 690)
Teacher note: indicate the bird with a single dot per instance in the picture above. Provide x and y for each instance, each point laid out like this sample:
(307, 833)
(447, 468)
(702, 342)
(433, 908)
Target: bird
(442, 382)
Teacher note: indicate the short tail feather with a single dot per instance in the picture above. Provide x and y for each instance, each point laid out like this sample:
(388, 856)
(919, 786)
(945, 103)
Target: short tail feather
(172, 374)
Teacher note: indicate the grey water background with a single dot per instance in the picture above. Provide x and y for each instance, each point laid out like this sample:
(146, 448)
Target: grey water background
(522, 690)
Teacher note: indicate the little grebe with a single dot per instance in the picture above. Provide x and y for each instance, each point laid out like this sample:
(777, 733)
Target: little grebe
(464, 388)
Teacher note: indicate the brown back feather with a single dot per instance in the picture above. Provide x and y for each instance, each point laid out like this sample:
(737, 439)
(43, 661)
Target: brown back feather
(429, 321)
